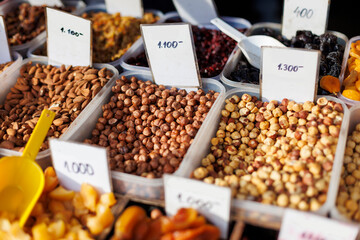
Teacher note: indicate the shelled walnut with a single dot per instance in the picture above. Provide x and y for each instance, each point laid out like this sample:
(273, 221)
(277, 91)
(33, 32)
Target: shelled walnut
(148, 128)
(280, 154)
(348, 198)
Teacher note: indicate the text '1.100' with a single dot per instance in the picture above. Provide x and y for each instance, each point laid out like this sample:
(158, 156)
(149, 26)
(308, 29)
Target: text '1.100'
(197, 203)
(79, 168)
(71, 32)
(169, 44)
(303, 12)
(288, 68)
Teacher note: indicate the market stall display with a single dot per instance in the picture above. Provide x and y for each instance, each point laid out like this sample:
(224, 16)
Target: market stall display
(213, 48)
(187, 223)
(148, 131)
(239, 73)
(271, 157)
(61, 213)
(26, 24)
(113, 34)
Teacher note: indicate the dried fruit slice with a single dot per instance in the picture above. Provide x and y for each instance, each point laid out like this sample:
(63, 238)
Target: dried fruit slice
(351, 79)
(330, 83)
(61, 194)
(351, 94)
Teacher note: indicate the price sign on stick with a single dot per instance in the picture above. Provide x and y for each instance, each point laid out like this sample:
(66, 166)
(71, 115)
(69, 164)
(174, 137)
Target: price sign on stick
(132, 8)
(50, 3)
(77, 163)
(196, 12)
(4, 44)
(68, 39)
(307, 226)
(305, 15)
(212, 201)
(289, 73)
(171, 54)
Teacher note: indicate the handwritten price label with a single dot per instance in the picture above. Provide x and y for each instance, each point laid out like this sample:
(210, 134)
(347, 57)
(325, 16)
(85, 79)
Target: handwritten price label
(76, 163)
(171, 53)
(212, 201)
(4, 45)
(68, 39)
(305, 15)
(289, 73)
(307, 226)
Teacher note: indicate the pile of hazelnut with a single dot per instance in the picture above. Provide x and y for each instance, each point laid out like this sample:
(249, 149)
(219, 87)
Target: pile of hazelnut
(280, 154)
(349, 191)
(148, 128)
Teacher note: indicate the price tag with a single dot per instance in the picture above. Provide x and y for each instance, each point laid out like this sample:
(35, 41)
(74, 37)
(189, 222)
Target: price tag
(289, 73)
(5, 55)
(50, 3)
(212, 201)
(132, 8)
(77, 163)
(68, 39)
(306, 226)
(196, 12)
(171, 54)
(305, 15)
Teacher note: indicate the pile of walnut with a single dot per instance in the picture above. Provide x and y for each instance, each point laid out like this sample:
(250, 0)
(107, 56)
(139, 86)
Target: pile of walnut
(274, 154)
(186, 224)
(63, 214)
(149, 128)
(349, 192)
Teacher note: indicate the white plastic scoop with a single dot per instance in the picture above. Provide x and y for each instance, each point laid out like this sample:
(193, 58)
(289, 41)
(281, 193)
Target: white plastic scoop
(250, 46)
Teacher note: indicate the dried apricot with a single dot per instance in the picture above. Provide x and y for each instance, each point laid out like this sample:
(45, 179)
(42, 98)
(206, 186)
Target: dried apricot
(330, 83)
(351, 94)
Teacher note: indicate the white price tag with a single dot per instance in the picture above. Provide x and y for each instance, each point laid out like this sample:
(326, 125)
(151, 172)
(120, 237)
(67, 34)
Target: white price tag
(4, 44)
(212, 201)
(132, 8)
(77, 163)
(196, 12)
(68, 39)
(171, 54)
(289, 73)
(299, 225)
(50, 3)
(305, 15)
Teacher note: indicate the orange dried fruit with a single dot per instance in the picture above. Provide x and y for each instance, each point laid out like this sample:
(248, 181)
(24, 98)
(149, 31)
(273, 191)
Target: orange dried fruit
(357, 85)
(126, 223)
(61, 194)
(351, 79)
(330, 83)
(351, 94)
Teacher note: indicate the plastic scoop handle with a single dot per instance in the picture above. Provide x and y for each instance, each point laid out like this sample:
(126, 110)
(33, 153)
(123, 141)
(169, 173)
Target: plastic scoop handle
(38, 135)
(228, 29)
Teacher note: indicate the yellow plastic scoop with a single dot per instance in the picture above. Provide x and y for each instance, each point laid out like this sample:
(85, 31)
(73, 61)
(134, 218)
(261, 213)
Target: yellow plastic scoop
(21, 178)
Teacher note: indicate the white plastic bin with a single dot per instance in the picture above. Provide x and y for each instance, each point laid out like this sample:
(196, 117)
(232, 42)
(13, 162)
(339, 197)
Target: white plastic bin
(344, 71)
(142, 187)
(258, 213)
(17, 59)
(43, 157)
(354, 119)
(138, 47)
(237, 54)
